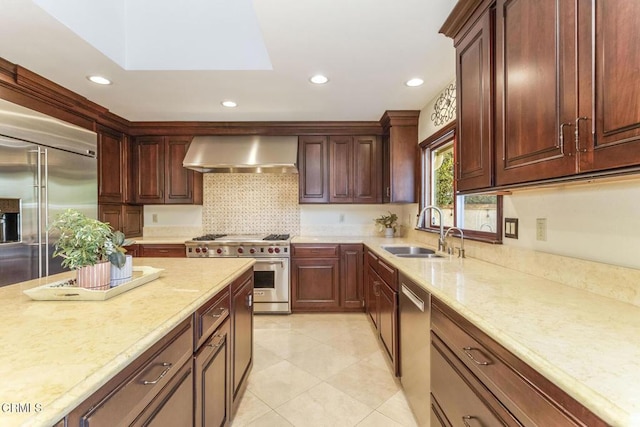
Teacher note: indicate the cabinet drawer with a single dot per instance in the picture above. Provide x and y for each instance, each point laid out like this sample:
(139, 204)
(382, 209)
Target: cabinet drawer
(126, 401)
(388, 274)
(533, 399)
(161, 251)
(372, 260)
(316, 251)
(459, 397)
(210, 316)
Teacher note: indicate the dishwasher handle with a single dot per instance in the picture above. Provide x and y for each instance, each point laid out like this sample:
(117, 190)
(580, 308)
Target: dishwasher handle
(413, 297)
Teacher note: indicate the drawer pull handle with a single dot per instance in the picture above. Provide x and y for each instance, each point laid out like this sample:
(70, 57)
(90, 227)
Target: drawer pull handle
(162, 374)
(222, 312)
(467, 351)
(219, 343)
(467, 418)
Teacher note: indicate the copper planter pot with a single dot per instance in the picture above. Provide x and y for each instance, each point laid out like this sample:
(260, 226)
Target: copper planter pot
(95, 277)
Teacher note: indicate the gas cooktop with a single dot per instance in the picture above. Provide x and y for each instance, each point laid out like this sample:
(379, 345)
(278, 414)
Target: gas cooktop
(249, 238)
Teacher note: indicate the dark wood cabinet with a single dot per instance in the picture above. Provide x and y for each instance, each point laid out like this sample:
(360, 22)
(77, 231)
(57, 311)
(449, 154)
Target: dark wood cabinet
(381, 304)
(242, 335)
(158, 174)
(536, 82)
(351, 277)
(565, 96)
(162, 250)
(113, 155)
(159, 381)
(400, 167)
(326, 277)
(339, 169)
(212, 378)
(470, 373)
(354, 163)
(313, 169)
(126, 218)
(608, 131)
(474, 101)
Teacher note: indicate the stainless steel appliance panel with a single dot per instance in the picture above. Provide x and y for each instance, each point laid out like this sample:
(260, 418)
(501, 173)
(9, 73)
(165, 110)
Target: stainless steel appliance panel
(47, 181)
(271, 285)
(415, 343)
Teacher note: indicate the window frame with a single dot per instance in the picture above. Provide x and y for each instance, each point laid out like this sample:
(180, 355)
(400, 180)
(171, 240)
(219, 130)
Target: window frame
(444, 136)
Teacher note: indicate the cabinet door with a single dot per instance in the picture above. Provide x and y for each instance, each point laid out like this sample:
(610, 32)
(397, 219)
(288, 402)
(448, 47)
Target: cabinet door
(366, 180)
(242, 333)
(371, 295)
(112, 170)
(132, 220)
(111, 214)
(178, 179)
(351, 283)
(173, 407)
(313, 168)
(535, 90)
(388, 326)
(149, 170)
(400, 160)
(340, 169)
(609, 137)
(474, 141)
(315, 284)
(213, 404)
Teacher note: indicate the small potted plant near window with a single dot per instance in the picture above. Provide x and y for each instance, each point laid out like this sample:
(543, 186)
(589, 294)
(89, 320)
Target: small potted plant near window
(387, 223)
(121, 264)
(85, 245)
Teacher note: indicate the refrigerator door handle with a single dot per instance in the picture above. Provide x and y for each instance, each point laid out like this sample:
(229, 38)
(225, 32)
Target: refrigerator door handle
(45, 231)
(38, 188)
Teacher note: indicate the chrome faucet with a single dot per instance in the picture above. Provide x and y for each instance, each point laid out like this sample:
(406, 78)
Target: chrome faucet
(421, 220)
(461, 248)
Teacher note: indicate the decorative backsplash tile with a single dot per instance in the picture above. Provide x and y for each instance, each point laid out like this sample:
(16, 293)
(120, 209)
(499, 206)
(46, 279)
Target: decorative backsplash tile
(239, 203)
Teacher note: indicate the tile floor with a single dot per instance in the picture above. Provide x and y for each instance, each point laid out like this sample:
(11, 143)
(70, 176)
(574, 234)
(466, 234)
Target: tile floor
(321, 369)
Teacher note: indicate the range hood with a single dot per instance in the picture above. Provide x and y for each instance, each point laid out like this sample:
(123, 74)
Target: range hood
(243, 154)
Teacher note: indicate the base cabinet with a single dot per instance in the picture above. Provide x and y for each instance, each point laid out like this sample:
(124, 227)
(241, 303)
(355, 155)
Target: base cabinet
(241, 335)
(327, 277)
(475, 379)
(381, 304)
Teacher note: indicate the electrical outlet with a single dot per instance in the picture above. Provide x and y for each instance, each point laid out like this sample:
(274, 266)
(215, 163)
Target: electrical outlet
(341, 218)
(154, 218)
(511, 228)
(541, 229)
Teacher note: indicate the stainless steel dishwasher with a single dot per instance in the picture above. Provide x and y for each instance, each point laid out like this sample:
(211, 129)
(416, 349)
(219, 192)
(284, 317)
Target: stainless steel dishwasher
(415, 343)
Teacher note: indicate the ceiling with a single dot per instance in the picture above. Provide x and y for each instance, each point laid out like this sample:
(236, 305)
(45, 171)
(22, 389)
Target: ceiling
(367, 48)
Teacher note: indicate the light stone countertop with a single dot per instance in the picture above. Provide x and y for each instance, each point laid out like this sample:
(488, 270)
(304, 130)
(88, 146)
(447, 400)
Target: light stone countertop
(55, 354)
(586, 344)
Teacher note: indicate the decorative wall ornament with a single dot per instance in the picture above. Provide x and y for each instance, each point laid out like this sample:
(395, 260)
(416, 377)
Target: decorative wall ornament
(445, 106)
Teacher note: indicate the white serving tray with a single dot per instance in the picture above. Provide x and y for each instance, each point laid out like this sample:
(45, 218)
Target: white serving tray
(62, 291)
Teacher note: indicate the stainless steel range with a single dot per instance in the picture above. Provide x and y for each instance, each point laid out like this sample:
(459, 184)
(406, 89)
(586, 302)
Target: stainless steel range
(271, 271)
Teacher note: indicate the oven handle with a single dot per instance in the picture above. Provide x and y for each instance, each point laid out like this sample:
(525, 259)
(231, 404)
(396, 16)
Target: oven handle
(272, 262)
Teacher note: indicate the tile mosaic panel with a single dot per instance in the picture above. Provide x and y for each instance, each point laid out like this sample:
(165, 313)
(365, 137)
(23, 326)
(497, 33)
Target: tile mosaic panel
(239, 203)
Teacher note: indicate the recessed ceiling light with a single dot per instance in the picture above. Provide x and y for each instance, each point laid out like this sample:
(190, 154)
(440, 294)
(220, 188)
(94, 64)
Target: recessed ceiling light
(99, 80)
(414, 82)
(229, 104)
(319, 79)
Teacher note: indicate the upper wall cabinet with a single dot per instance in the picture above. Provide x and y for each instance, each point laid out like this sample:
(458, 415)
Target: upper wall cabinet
(158, 174)
(313, 169)
(339, 169)
(112, 166)
(474, 139)
(566, 89)
(399, 156)
(354, 163)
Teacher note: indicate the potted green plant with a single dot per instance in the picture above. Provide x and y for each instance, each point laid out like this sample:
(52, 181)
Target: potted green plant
(121, 264)
(387, 223)
(85, 245)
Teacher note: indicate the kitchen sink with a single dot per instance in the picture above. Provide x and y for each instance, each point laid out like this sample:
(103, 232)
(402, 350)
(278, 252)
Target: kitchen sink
(411, 251)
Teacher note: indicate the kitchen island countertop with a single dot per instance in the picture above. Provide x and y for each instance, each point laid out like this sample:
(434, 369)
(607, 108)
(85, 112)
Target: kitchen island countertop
(55, 354)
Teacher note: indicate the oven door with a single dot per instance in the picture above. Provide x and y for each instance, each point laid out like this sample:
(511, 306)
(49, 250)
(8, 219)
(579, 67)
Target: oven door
(271, 285)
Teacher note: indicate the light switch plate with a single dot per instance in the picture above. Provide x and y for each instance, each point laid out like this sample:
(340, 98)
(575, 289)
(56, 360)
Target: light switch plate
(511, 228)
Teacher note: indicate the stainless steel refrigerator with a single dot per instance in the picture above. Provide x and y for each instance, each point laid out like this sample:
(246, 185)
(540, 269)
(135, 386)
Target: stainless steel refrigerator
(46, 167)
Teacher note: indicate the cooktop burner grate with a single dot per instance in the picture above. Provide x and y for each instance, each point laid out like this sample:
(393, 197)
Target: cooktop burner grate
(208, 237)
(277, 237)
